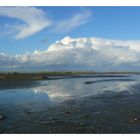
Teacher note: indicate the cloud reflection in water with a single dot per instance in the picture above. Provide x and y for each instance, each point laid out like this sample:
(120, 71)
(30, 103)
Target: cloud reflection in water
(64, 89)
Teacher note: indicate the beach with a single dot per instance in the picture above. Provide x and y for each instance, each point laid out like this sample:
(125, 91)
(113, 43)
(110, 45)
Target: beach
(87, 103)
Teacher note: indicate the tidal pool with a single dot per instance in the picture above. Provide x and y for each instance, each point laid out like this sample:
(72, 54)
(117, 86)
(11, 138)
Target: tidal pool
(90, 104)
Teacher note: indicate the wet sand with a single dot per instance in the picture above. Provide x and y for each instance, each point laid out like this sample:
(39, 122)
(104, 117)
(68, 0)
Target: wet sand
(108, 112)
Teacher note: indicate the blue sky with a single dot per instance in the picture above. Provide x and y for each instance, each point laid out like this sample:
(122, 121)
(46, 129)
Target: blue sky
(105, 22)
(86, 36)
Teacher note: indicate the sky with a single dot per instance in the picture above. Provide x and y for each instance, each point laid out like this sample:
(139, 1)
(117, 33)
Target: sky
(70, 38)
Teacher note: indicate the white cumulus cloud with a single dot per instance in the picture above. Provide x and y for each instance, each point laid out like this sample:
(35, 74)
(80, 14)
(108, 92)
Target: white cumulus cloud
(81, 53)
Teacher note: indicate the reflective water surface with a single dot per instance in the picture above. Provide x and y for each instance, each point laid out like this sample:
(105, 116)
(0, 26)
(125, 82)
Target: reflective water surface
(73, 105)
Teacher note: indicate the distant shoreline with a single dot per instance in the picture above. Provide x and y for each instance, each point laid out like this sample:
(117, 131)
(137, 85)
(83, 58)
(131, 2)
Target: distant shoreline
(45, 75)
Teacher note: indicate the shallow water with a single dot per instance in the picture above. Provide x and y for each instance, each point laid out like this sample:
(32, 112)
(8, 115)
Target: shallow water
(90, 104)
